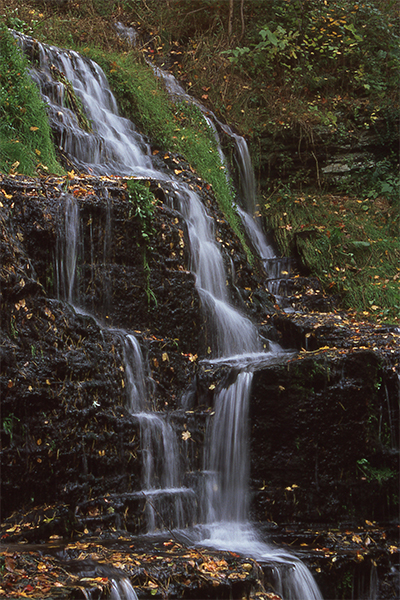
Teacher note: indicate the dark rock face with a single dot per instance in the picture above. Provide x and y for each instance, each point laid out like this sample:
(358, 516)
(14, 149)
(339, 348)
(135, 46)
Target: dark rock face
(324, 423)
(66, 431)
(321, 442)
(66, 434)
(323, 155)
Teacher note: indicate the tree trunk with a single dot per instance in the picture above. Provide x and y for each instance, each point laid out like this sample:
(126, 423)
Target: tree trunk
(242, 18)
(230, 18)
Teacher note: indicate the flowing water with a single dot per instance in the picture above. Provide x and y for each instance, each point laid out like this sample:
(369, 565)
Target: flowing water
(168, 504)
(115, 147)
(68, 250)
(122, 590)
(278, 270)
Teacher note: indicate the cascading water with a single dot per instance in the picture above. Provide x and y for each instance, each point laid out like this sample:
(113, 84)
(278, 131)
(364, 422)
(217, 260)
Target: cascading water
(277, 269)
(68, 250)
(167, 503)
(122, 590)
(115, 147)
(231, 332)
(227, 457)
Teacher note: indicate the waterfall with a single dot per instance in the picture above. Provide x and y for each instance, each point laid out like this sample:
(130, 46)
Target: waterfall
(168, 504)
(68, 250)
(231, 332)
(113, 144)
(122, 590)
(115, 147)
(227, 454)
(277, 269)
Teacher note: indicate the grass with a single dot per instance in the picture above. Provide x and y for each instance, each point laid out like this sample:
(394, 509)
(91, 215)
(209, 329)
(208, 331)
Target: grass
(352, 245)
(26, 144)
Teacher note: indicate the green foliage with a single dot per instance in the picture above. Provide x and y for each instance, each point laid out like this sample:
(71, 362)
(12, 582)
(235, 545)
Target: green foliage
(104, 7)
(381, 475)
(316, 45)
(351, 245)
(8, 424)
(143, 202)
(25, 137)
(382, 180)
(14, 21)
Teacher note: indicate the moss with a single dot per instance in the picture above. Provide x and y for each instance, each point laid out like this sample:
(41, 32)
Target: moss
(26, 144)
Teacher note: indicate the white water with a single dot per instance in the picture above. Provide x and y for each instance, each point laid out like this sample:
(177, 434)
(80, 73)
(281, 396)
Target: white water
(230, 331)
(116, 148)
(68, 250)
(277, 270)
(227, 457)
(122, 589)
(168, 504)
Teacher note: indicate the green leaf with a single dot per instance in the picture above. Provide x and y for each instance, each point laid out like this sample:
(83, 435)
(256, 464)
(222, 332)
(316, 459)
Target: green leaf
(360, 244)
(267, 33)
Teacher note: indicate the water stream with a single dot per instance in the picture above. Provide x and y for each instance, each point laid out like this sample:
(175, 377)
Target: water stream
(277, 269)
(116, 148)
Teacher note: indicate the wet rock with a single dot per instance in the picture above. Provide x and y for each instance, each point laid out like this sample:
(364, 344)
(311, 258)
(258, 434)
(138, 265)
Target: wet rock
(317, 444)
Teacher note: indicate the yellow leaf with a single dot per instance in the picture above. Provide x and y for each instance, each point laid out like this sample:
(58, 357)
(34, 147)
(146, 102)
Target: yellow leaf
(20, 304)
(38, 152)
(8, 196)
(33, 128)
(165, 356)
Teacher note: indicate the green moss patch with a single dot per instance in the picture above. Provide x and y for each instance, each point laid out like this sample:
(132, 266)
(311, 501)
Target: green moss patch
(26, 144)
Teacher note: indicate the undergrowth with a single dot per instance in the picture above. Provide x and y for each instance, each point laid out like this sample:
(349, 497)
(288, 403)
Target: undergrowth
(352, 245)
(143, 202)
(26, 144)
